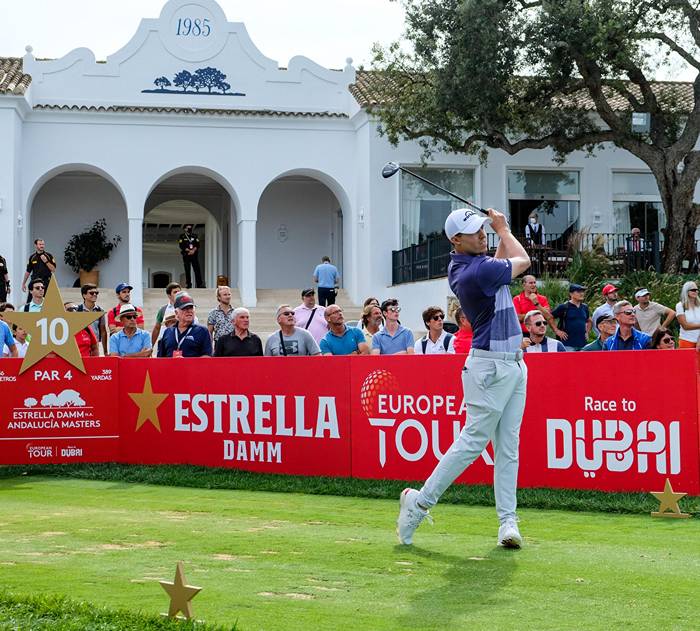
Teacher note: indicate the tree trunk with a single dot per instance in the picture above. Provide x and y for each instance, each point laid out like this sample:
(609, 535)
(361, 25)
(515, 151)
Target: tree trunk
(680, 251)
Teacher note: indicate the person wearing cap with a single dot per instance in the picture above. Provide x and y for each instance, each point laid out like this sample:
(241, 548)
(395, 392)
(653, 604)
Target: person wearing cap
(606, 326)
(188, 242)
(494, 378)
(220, 319)
(129, 340)
(574, 319)
(342, 339)
(626, 338)
(529, 299)
(610, 296)
(114, 323)
(240, 342)
(651, 314)
(186, 338)
(393, 339)
(290, 340)
(310, 316)
(538, 341)
(327, 277)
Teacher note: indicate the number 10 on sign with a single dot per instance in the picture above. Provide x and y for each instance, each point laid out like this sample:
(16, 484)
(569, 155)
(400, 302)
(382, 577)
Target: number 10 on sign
(49, 330)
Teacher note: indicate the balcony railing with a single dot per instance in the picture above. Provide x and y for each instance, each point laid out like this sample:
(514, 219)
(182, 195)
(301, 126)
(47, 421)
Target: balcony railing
(429, 259)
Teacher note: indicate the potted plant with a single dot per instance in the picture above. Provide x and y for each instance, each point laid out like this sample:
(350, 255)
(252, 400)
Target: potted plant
(87, 248)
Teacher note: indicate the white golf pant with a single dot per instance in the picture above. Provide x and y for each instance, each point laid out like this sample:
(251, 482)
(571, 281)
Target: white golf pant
(494, 392)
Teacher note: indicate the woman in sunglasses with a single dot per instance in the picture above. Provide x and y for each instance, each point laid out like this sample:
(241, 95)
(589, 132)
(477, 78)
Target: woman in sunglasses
(662, 340)
(688, 314)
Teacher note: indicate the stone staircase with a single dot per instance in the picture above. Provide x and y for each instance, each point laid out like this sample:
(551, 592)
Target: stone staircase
(262, 317)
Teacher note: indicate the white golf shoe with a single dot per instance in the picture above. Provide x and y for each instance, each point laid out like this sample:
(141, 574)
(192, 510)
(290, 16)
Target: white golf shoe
(509, 535)
(410, 516)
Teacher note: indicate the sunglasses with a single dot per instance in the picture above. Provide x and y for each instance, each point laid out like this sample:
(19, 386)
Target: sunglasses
(287, 313)
(693, 289)
(38, 287)
(72, 309)
(438, 317)
(666, 340)
(394, 309)
(129, 317)
(628, 311)
(94, 293)
(540, 323)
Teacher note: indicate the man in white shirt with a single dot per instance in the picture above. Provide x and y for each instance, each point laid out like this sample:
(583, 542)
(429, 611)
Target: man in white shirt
(437, 341)
(539, 342)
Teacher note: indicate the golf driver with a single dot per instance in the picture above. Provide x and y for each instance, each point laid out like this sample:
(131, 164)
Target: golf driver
(391, 168)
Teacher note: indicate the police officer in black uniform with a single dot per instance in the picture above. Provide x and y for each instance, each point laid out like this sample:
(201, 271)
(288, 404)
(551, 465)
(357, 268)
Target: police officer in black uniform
(41, 265)
(189, 248)
(4, 280)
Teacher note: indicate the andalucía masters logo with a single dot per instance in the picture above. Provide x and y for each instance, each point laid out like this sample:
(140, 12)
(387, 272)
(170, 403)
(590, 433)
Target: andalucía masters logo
(376, 383)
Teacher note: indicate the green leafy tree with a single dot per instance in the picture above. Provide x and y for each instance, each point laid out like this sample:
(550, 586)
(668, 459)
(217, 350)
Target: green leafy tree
(559, 74)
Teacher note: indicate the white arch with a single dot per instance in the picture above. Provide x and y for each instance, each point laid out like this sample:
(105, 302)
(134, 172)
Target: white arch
(206, 172)
(333, 185)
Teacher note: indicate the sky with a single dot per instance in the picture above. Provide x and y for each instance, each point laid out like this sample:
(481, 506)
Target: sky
(326, 31)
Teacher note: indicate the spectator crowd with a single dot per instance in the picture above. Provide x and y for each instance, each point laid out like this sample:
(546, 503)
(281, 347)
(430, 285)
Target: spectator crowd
(320, 327)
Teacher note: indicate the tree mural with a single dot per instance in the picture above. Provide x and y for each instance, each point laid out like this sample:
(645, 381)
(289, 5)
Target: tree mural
(203, 81)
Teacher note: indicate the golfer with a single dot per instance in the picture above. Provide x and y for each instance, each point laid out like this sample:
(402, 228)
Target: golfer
(494, 377)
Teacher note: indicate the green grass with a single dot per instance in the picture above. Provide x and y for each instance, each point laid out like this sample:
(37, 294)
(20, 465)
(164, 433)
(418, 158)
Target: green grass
(233, 479)
(298, 561)
(56, 613)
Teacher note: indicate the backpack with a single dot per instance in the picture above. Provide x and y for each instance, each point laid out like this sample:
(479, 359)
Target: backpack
(445, 342)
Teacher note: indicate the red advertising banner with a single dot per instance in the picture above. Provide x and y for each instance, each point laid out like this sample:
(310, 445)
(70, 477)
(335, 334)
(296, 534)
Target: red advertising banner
(624, 421)
(616, 422)
(53, 413)
(260, 414)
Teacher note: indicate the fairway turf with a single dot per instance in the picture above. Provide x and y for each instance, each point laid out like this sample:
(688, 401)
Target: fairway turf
(296, 561)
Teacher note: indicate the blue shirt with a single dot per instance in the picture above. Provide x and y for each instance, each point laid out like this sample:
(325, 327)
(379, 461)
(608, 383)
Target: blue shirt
(636, 342)
(388, 345)
(481, 284)
(342, 344)
(326, 274)
(121, 343)
(9, 341)
(572, 320)
(194, 342)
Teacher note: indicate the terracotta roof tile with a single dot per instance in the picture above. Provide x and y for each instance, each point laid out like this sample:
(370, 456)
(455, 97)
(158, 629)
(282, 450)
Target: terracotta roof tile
(12, 79)
(137, 109)
(373, 88)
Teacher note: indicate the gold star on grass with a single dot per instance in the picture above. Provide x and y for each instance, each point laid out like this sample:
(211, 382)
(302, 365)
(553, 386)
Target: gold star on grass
(180, 594)
(148, 402)
(52, 329)
(668, 502)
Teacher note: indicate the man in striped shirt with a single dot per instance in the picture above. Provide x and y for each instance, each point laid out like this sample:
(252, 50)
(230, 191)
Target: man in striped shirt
(494, 378)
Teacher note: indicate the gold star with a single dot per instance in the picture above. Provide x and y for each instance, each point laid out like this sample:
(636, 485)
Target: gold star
(148, 402)
(52, 329)
(668, 502)
(180, 594)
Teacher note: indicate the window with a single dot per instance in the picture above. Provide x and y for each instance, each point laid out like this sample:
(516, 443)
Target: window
(425, 208)
(637, 204)
(553, 195)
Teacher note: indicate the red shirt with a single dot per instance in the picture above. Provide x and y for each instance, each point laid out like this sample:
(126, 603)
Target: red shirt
(86, 339)
(114, 320)
(523, 305)
(463, 340)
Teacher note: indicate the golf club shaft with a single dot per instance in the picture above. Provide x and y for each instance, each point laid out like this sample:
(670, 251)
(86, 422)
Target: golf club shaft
(444, 190)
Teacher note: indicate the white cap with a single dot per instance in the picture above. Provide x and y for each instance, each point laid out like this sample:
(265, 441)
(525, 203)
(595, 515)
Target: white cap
(464, 221)
(642, 292)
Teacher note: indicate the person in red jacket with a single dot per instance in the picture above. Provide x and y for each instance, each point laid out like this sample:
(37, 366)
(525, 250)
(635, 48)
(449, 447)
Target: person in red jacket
(463, 337)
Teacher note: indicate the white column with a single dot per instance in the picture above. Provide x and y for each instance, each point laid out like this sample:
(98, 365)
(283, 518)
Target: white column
(247, 281)
(136, 259)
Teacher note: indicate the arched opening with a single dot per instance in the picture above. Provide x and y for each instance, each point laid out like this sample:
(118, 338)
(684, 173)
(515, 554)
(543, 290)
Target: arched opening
(85, 196)
(188, 198)
(300, 219)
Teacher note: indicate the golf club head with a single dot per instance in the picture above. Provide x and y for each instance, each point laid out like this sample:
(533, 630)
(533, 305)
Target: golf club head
(390, 168)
